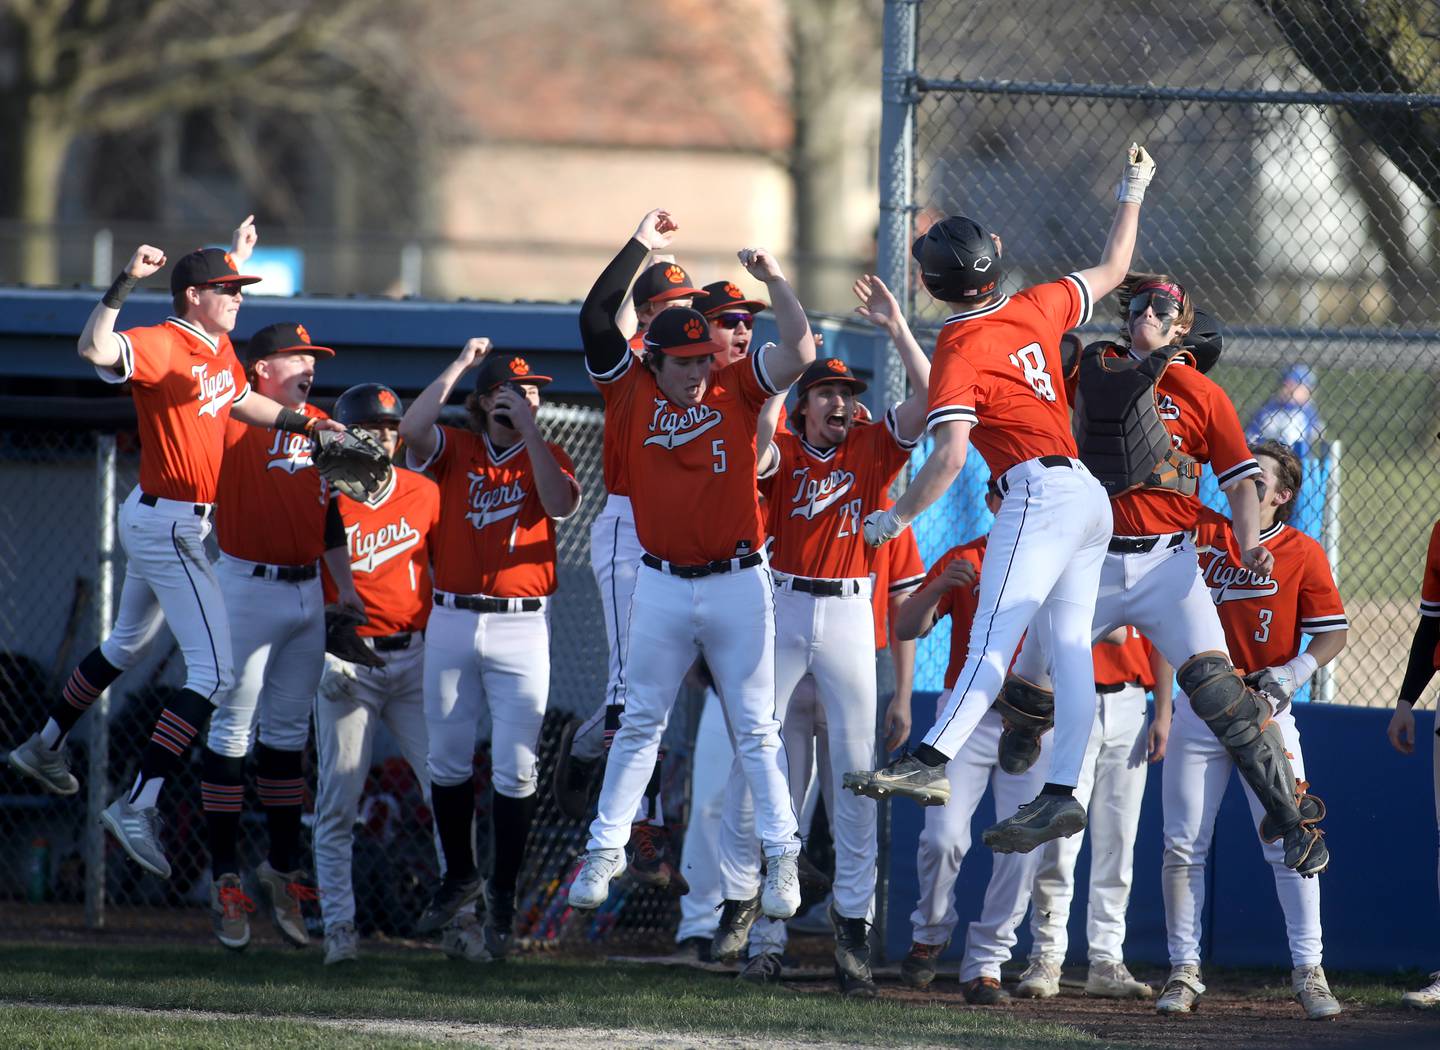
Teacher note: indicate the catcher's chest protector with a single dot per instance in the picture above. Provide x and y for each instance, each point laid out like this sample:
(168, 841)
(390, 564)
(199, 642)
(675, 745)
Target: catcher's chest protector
(1117, 423)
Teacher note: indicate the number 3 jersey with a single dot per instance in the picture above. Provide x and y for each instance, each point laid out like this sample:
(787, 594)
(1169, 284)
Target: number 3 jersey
(998, 367)
(817, 499)
(1264, 617)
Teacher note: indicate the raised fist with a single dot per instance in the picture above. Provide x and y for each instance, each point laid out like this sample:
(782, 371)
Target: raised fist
(760, 264)
(474, 351)
(147, 260)
(655, 229)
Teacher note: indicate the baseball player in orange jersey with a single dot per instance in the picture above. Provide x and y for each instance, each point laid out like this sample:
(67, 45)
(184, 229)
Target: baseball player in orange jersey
(997, 364)
(387, 538)
(270, 580)
(502, 488)
(1112, 785)
(691, 439)
(1423, 661)
(819, 479)
(952, 588)
(1265, 617)
(186, 383)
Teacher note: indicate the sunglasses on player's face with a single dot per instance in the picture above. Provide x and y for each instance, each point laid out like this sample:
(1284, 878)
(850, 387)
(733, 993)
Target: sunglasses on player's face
(1162, 303)
(226, 289)
(736, 319)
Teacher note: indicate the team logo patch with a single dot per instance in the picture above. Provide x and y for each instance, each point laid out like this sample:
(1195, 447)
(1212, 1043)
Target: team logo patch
(289, 452)
(370, 550)
(497, 503)
(1234, 583)
(982, 264)
(694, 329)
(815, 495)
(674, 275)
(519, 367)
(386, 399)
(1166, 408)
(230, 262)
(733, 291)
(214, 392)
(836, 365)
(304, 335)
(671, 429)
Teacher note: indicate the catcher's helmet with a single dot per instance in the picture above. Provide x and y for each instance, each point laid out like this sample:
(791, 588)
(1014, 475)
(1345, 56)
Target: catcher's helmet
(368, 403)
(1205, 340)
(959, 261)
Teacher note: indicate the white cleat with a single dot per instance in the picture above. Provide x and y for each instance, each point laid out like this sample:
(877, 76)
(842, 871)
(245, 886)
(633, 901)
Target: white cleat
(591, 887)
(1427, 998)
(780, 898)
(1113, 980)
(1182, 991)
(342, 944)
(138, 831)
(36, 761)
(1041, 980)
(1312, 991)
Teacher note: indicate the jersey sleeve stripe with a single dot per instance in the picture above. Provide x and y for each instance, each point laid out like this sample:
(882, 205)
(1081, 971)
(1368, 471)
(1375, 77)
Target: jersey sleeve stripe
(950, 414)
(439, 448)
(892, 424)
(1321, 624)
(242, 395)
(757, 361)
(108, 374)
(774, 463)
(1243, 469)
(1430, 608)
(909, 583)
(1087, 301)
(621, 367)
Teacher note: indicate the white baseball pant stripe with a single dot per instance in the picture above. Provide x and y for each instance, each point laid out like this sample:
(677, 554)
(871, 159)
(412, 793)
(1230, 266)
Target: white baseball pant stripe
(614, 558)
(945, 840)
(728, 618)
(1197, 771)
(1041, 571)
(1160, 593)
(347, 714)
(277, 634)
(1112, 785)
(477, 660)
(169, 576)
(709, 770)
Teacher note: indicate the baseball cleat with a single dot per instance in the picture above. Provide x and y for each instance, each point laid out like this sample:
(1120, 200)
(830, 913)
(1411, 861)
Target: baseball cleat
(283, 891)
(1427, 998)
(576, 783)
(733, 932)
(1312, 991)
(49, 768)
(650, 859)
(1113, 980)
(453, 895)
(780, 898)
(342, 944)
(1182, 991)
(984, 991)
(464, 940)
(228, 907)
(1041, 980)
(852, 954)
(591, 886)
(907, 776)
(765, 968)
(921, 963)
(138, 832)
(1047, 817)
(499, 924)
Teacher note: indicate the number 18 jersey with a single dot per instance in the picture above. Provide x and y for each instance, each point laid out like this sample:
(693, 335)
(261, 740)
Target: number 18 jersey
(998, 367)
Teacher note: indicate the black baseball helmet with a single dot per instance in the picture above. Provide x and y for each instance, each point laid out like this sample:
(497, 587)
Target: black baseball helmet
(367, 403)
(959, 262)
(1205, 340)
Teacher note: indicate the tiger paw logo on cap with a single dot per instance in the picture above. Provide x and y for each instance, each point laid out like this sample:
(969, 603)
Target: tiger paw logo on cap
(519, 367)
(674, 275)
(386, 399)
(304, 335)
(733, 291)
(694, 329)
(231, 263)
(836, 365)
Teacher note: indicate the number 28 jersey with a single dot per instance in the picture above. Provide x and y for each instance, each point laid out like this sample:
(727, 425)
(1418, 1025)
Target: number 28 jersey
(998, 367)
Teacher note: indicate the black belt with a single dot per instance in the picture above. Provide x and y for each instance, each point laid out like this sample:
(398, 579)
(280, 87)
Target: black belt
(200, 509)
(691, 572)
(491, 605)
(1044, 461)
(1144, 544)
(285, 573)
(823, 588)
(393, 642)
(1115, 688)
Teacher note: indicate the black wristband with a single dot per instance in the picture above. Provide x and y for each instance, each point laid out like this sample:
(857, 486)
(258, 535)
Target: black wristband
(123, 286)
(293, 422)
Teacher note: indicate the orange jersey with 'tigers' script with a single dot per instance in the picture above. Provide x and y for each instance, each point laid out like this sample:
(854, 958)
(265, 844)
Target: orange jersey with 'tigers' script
(271, 501)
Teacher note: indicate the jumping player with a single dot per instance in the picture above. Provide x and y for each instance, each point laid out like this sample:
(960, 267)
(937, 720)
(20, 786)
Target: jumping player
(502, 488)
(186, 384)
(269, 577)
(997, 364)
(1265, 618)
(690, 441)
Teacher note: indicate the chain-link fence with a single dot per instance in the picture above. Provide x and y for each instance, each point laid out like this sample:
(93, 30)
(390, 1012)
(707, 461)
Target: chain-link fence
(60, 571)
(1295, 198)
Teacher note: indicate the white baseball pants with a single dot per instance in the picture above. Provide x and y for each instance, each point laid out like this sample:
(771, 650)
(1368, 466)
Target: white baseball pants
(353, 701)
(1112, 785)
(945, 840)
(1196, 773)
(730, 619)
(474, 661)
(277, 633)
(168, 575)
(1041, 572)
(709, 770)
(615, 558)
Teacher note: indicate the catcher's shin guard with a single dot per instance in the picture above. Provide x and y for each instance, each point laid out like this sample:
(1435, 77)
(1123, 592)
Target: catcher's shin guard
(1241, 719)
(1028, 712)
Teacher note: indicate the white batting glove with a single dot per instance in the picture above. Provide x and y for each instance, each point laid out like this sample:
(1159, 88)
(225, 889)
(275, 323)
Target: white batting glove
(338, 682)
(1283, 680)
(1139, 170)
(882, 526)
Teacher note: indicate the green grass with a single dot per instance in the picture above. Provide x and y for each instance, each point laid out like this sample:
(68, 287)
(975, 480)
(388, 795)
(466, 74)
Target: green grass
(523, 993)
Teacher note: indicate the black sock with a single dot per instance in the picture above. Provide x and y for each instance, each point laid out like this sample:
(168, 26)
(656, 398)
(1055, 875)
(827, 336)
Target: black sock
(84, 686)
(653, 813)
(454, 808)
(510, 823)
(280, 783)
(222, 796)
(169, 745)
(928, 756)
(1064, 790)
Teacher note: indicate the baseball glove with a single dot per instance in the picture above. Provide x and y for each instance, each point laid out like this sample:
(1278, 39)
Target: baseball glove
(352, 461)
(342, 642)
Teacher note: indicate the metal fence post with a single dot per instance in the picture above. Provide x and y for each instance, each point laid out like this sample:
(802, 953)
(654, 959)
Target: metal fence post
(98, 782)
